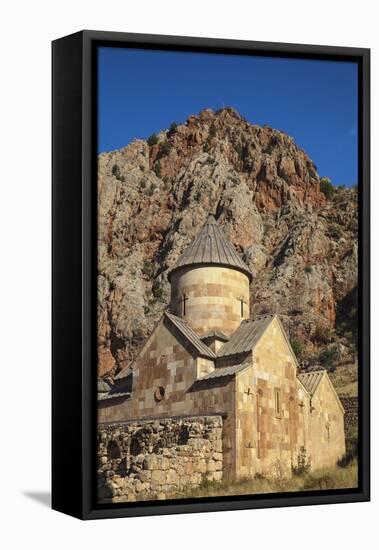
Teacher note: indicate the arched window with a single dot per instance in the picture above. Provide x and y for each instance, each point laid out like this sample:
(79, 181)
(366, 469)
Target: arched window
(113, 450)
(258, 418)
(278, 403)
(183, 300)
(242, 304)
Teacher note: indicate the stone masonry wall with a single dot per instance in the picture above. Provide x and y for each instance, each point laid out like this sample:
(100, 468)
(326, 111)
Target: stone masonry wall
(214, 296)
(156, 459)
(350, 404)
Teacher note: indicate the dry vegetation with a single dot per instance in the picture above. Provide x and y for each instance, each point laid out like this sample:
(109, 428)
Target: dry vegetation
(345, 380)
(330, 478)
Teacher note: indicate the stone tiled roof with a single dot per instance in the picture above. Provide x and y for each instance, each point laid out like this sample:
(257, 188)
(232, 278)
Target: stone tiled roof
(311, 380)
(246, 336)
(191, 336)
(127, 371)
(102, 386)
(215, 334)
(225, 371)
(113, 394)
(211, 247)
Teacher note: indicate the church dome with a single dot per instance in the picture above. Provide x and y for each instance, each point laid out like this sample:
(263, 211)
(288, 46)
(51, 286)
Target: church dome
(210, 284)
(211, 247)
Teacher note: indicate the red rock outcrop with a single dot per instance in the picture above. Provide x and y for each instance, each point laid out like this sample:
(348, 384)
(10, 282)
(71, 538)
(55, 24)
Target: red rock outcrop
(265, 191)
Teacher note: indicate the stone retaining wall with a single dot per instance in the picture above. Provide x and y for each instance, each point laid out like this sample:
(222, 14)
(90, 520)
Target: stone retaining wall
(350, 404)
(151, 459)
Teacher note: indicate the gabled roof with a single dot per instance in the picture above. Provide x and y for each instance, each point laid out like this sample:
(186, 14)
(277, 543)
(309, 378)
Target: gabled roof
(190, 335)
(126, 371)
(225, 371)
(246, 336)
(211, 247)
(113, 395)
(102, 386)
(217, 334)
(311, 380)
(121, 389)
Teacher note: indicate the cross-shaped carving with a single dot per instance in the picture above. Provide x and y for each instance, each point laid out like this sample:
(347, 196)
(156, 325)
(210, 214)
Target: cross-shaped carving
(327, 426)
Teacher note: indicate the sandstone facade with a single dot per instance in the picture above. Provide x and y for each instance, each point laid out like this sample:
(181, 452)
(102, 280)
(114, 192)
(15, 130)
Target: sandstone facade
(214, 298)
(270, 417)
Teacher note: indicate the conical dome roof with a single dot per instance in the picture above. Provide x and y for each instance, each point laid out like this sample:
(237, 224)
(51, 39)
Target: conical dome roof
(211, 247)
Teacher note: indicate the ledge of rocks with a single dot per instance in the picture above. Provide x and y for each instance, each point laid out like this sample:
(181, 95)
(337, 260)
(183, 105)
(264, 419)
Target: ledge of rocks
(150, 459)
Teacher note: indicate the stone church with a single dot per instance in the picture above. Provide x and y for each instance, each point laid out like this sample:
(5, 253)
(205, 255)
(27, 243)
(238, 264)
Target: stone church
(206, 356)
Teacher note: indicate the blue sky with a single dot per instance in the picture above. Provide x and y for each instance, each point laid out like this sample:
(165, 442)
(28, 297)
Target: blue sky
(316, 102)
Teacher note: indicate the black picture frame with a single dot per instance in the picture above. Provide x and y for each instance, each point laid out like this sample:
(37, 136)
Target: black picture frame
(74, 132)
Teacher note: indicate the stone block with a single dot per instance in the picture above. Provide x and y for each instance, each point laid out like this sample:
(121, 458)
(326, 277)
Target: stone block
(158, 477)
(211, 466)
(150, 462)
(202, 466)
(144, 475)
(172, 477)
(196, 479)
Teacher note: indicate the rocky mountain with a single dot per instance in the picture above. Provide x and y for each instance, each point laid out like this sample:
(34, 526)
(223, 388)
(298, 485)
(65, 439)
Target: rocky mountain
(296, 231)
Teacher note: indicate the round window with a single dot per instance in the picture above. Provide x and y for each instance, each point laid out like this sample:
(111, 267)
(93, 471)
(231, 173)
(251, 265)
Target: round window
(159, 393)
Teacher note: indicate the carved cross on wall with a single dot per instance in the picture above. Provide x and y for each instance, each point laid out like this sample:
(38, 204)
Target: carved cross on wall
(183, 301)
(327, 426)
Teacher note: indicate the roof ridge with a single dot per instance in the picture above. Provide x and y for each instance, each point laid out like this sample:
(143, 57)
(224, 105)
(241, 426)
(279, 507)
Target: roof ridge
(190, 335)
(246, 337)
(211, 246)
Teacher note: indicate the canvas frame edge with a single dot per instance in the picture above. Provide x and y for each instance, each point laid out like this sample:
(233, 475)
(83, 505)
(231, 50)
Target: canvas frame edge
(76, 377)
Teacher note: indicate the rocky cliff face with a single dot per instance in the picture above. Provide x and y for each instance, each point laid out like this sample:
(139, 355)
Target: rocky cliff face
(299, 241)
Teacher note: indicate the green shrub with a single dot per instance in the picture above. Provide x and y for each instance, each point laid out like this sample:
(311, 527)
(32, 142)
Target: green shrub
(303, 463)
(351, 453)
(319, 481)
(327, 188)
(239, 150)
(335, 231)
(173, 127)
(308, 269)
(116, 172)
(328, 357)
(212, 131)
(165, 149)
(206, 146)
(158, 291)
(297, 347)
(210, 160)
(152, 140)
(151, 189)
(322, 334)
(158, 169)
(148, 269)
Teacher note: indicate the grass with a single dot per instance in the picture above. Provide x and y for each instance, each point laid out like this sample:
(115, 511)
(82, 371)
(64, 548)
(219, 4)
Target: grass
(328, 478)
(345, 380)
